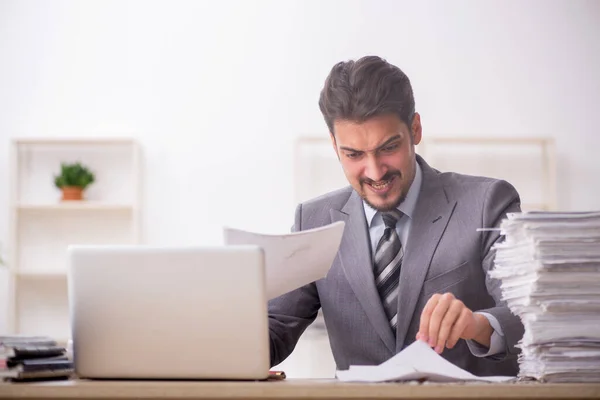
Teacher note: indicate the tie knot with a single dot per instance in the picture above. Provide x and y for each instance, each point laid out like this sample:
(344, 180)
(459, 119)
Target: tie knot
(390, 218)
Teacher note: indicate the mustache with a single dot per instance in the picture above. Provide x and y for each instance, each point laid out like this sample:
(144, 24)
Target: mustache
(388, 175)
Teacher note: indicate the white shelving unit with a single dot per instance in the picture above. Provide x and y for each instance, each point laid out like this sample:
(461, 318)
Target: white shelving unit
(529, 163)
(42, 225)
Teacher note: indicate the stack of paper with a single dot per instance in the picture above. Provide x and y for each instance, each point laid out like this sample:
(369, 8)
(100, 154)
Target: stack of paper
(549, 268)
(416, 362)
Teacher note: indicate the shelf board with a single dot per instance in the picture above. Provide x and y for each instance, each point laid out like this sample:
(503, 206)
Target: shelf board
(32, 274)
(73, 141)
(75, 205)
(489, 140)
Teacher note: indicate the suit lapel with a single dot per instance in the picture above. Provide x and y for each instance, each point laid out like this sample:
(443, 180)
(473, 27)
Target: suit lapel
(355, 257)
(431, 216)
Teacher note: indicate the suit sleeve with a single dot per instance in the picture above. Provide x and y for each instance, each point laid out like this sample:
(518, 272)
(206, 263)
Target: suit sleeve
(291, 313)
(501, 198)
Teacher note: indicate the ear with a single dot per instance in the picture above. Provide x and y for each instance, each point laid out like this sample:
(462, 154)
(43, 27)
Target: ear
(334, 144)
(416, 129)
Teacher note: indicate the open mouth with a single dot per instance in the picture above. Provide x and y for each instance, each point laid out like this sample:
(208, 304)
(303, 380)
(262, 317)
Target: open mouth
(381, 186)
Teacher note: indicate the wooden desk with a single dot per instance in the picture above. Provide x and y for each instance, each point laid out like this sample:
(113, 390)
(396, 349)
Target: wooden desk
(291, 389)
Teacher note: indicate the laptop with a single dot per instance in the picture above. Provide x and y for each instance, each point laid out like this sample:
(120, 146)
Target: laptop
(144, 312)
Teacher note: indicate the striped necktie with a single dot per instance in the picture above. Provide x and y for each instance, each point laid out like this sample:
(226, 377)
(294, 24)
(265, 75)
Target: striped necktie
(388, 259)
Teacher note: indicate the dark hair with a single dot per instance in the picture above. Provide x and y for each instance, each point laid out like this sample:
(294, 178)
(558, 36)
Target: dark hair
(365, 88)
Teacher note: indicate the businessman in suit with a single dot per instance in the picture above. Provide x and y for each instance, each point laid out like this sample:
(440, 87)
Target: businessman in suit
(411, 264)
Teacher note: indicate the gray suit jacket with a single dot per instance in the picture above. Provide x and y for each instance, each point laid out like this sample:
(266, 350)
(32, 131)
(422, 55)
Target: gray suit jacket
(444, 253)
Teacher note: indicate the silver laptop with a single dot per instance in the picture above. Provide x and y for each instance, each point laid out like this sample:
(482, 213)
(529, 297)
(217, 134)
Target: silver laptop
(142, 312)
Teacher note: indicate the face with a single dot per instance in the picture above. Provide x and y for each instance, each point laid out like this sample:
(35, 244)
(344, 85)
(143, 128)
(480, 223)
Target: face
(378, 157)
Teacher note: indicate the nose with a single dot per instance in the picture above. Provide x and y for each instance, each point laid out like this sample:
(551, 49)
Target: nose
(374, 169)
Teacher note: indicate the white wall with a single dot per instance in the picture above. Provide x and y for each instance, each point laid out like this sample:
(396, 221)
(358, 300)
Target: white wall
(217, 91)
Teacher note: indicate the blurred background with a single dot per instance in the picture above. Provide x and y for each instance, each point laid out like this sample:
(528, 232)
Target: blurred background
(193, 115)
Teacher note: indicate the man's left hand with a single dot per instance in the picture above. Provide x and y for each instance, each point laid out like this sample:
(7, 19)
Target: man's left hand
(445, 320)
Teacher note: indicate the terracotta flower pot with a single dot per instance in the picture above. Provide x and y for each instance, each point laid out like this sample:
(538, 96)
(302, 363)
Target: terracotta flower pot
(72, 193)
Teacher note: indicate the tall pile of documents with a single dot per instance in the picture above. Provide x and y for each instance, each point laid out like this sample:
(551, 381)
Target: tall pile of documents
(549, 269)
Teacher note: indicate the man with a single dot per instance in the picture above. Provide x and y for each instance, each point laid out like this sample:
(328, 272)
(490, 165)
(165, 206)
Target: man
(411, 264)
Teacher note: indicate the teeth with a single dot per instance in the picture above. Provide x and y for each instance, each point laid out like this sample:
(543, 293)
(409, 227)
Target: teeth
(380, 185)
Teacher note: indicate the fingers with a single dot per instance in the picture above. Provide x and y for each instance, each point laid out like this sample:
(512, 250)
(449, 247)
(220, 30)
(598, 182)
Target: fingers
(426, 316)
(459, 327)
(437, 316)
(443, 321)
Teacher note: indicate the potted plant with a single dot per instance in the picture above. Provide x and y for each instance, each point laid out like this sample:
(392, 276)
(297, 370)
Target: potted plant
(73, 180)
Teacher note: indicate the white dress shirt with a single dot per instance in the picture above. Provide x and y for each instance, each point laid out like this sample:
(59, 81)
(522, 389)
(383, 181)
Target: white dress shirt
(407, 207)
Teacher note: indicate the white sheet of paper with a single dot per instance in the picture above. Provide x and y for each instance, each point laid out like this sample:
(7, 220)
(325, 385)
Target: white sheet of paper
(293, 259)
(417, 361)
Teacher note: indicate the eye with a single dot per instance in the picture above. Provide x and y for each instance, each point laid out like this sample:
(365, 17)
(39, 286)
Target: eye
(391, 147)
(353, 155)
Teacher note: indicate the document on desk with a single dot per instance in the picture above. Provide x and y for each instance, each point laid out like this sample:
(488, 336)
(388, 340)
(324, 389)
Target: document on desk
(417, 361)
(293, 259)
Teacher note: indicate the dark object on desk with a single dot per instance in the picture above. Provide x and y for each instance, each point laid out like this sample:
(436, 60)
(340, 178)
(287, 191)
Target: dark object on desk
(33, 358)
(276, 375)
(38, 369)
(29, 352)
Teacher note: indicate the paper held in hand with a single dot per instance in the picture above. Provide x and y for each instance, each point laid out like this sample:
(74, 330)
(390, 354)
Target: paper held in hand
(417, 361)
(293, 259)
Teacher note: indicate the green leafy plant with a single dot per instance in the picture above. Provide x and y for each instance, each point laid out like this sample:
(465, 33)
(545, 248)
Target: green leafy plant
(74, 174)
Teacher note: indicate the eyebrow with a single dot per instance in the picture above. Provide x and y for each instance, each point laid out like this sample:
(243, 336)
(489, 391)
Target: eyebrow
(387, 142)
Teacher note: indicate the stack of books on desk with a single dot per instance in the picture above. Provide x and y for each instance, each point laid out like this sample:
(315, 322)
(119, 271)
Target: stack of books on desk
(549, 268)
(32, 358)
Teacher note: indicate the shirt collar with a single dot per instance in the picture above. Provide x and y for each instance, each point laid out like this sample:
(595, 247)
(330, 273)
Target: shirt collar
(408, 205)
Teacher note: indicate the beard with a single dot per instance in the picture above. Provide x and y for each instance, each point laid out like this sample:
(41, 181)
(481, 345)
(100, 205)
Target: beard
(386, 207)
